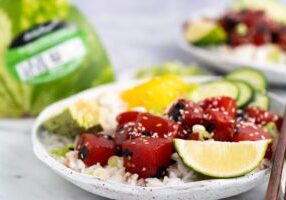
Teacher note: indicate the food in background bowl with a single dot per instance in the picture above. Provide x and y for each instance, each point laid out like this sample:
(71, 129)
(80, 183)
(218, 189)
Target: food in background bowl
(248, 30)
(159, 132)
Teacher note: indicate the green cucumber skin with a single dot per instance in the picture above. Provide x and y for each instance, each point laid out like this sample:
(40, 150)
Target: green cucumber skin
(238, 74)
(256, 102)
(196, 96)
(251, 97)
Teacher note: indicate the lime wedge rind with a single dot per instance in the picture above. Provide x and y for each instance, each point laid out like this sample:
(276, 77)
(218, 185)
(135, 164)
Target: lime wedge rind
(261, 147)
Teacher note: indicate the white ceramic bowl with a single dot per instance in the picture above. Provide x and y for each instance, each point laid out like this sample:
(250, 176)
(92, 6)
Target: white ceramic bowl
(275, 73)
(207, 189)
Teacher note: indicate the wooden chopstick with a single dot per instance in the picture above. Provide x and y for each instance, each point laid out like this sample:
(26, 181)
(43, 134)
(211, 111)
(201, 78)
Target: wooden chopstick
(277, 165)
(285, 191)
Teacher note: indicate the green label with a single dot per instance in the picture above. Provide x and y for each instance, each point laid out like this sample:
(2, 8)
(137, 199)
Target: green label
(48, 57)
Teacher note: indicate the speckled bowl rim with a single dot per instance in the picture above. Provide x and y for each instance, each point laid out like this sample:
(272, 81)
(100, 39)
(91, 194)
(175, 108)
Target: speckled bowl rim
(43, 155)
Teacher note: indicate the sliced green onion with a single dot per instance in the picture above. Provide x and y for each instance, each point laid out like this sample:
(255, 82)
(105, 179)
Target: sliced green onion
(113, 161)
(61, 152)
(241, 29)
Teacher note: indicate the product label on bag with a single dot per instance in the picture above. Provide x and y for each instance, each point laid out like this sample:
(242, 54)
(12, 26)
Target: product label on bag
(46, 53)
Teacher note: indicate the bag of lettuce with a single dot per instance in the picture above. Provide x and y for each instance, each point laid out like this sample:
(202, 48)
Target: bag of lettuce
(48, 51)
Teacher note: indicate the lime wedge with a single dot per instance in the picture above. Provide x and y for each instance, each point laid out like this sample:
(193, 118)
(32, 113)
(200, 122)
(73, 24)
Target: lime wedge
(204, 32)
(221, 159)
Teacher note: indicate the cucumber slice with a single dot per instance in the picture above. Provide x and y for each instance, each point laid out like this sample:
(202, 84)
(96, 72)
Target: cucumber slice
(246, 93)
(253, 77)
(260, 100)
(215, 89)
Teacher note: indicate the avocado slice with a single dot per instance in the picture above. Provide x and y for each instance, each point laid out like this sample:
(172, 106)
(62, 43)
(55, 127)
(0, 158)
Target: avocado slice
(82, 116)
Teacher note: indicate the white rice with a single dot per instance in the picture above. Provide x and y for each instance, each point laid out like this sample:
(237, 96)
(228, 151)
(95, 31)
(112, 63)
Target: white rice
(176, 173)
(260, 54)
(110, 105)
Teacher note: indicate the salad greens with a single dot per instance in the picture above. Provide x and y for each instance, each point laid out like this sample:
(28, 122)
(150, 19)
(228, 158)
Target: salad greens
(173, 67)
(61, 152)
(28, 30)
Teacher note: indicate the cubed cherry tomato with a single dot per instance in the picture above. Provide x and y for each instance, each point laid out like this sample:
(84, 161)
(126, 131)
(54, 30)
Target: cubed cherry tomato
(262, 117)
(186, 114)
(236, 40)
(124, 132)
(125, 117)
(223, 104)
(220, 124)
(147, 157)
(95, 149)
(247, 131)
(261, 34)
(146, 125)
(155, 126)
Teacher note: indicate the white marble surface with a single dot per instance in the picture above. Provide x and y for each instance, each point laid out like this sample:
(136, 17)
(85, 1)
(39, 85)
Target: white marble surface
(136, 33)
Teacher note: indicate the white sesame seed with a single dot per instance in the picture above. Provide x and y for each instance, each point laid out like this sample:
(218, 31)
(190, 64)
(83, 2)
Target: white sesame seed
(145, 117)
(158, 125)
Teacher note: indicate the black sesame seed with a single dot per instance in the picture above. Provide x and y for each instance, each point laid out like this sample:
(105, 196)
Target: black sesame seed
(172, 162)
(240, 113)
(175, 113)
(108, 137)
(119, 150)
(147, 133)
(179, 105)
(161, 172)
(230, 21)
(126, 153)
(83, 152)
(71, 148)
(210, 127)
